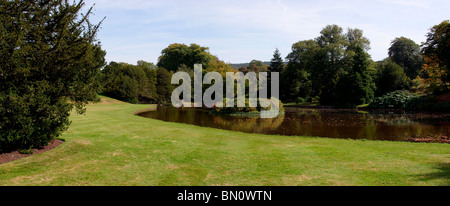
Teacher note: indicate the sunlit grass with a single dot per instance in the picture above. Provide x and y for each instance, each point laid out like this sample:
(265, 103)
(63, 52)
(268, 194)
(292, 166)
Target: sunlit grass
(111, 146)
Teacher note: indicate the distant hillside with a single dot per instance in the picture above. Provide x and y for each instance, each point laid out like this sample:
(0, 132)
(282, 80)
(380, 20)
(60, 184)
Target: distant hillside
(239, 65)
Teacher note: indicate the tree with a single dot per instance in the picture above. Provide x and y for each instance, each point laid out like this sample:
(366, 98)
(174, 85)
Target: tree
(330, 62)
(355, 39)
(315, 67)
(50, 63)
(164, 87)
(355, 87)
(406, 53)
(276, 64)
(147, 83)
(146, 65)
(130, 83)
(392, 77)
(436, 50)
(220, 66)
(295, 79)
(254, 66)
(175, 55)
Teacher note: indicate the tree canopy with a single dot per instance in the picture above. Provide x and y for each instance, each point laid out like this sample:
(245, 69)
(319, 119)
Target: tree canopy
(315, 67)
(406, 53)
(392, 77)
(131, 83)
(436, 50)
(176, 55)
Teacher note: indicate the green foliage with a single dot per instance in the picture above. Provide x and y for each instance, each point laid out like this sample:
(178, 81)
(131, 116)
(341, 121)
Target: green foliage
(428, 103)
(130, 83)
(392, 77)
(26, 151)
(175, 55)
(409, 101)
(240, 65)
(406, 53)
(355, 39)
(393, 100)
(315, 100)
(437, 49)
(315, 67)
(355, 87)
(164, 87)
(296, 78)
(300, 100)
(255, 66)
(50, 62)
(276, 64)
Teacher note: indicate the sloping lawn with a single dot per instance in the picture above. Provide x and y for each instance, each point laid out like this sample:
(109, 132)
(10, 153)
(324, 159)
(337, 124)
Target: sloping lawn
(111, 146)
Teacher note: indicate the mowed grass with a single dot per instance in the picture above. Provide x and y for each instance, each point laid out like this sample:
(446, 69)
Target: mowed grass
(111, 146)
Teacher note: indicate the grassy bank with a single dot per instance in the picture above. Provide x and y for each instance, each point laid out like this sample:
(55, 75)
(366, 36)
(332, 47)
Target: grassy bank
(111, 146)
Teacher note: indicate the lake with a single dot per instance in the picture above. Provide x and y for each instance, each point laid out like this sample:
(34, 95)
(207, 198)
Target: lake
(333, 123)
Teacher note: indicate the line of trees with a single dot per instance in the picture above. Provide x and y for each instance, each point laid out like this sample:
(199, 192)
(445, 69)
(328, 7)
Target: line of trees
(149, 83)
(336, 69)
(141, 83)
(332, 69)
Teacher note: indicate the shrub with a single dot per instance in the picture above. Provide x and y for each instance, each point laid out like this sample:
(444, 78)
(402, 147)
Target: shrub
(300, 100)
(393, 100)
(428, 103)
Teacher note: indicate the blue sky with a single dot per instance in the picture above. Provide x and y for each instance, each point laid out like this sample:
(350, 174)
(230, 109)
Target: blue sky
(238, 31)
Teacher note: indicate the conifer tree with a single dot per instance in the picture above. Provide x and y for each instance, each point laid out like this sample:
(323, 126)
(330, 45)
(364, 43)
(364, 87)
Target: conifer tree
(49, 63)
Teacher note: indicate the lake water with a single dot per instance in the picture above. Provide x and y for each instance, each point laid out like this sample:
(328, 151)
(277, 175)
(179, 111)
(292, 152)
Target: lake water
(346, 124)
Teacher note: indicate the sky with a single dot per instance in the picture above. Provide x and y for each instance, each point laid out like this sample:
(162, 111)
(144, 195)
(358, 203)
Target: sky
(238, 31)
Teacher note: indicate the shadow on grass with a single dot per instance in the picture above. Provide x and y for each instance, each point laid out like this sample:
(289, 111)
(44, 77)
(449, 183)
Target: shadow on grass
(443, 174)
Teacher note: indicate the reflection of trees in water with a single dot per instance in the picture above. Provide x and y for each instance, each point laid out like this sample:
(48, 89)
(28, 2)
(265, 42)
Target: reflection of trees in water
(320, 123)
(256, 125)
(362, 125)
(337, 117)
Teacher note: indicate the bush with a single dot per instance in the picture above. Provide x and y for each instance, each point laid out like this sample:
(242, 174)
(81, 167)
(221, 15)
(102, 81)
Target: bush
(393, 100)
(315, 100)
(428, 103)
(300, 100)
(408, 101)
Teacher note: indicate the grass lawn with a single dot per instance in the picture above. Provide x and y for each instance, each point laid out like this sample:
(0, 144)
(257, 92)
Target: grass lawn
(111, 146)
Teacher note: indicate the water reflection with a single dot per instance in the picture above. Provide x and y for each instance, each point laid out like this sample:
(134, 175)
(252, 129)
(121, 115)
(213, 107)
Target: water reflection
(352, 124)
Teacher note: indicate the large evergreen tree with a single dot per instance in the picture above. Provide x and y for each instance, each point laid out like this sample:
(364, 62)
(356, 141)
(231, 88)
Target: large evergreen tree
(276, 64)
(49, 63)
